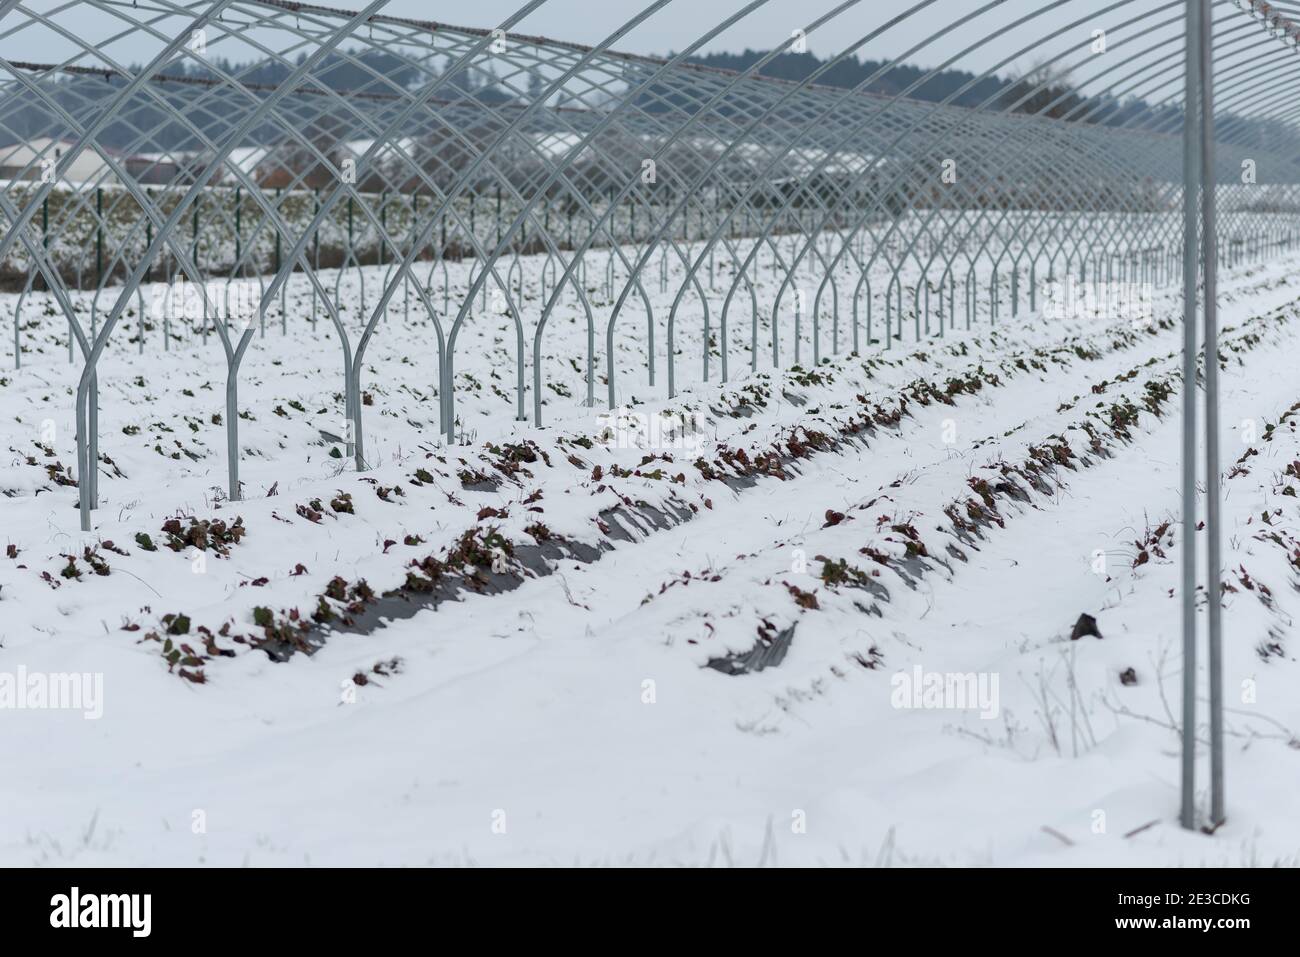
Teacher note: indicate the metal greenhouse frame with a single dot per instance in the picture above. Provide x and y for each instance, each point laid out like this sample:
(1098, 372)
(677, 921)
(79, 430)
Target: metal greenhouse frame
(886, 216)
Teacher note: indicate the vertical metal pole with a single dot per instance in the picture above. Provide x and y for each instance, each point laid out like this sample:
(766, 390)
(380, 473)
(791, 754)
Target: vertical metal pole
(284, 288)
(194, 256)
(315, 252)
(1191, 188)
(278, 192)
(99, 235)
(148, 277)
(1210, 252)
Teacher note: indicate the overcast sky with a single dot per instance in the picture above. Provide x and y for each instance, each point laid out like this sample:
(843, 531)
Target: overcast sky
(681, 21)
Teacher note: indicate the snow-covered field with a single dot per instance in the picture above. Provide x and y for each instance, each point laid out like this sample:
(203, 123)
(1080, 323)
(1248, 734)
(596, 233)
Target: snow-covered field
(550, 645)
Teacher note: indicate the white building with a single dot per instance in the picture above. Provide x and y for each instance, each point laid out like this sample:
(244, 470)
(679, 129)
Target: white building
(42, 152)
